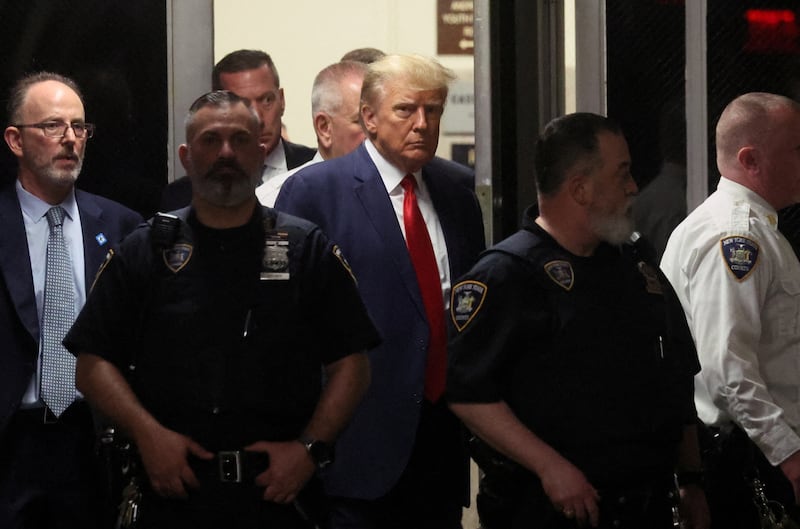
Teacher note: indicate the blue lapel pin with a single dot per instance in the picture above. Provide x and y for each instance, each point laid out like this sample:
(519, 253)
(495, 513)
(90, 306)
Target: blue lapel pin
(101, 239)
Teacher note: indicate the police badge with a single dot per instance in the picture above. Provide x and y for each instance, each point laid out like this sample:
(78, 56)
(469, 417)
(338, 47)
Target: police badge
(561, 273)
(177, 256)
(275, 261)
(652, 284)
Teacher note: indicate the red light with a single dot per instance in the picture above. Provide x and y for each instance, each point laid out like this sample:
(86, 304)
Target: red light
(770, 17)
(772, 31)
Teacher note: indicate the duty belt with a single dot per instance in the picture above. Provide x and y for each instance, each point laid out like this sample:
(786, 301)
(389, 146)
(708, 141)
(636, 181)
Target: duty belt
(231, 466)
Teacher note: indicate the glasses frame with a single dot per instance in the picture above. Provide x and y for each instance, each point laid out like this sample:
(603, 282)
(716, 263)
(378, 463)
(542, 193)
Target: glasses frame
(88, 128)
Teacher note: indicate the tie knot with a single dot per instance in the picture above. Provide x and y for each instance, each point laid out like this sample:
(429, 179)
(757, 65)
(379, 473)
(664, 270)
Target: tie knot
(409, 183)
(55, 216)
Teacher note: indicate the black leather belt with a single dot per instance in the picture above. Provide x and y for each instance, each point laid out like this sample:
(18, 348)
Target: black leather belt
(231, 466)
(77, 414)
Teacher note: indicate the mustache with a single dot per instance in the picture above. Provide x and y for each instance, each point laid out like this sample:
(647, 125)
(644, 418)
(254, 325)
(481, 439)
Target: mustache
(222, 165)
(68, 155)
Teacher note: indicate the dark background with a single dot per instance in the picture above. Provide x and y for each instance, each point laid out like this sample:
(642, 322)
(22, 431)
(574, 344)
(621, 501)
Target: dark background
(646, 61)
(116, 50)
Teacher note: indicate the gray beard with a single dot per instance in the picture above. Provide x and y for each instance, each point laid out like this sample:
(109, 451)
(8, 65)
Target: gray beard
(613, 229)
(62, 178)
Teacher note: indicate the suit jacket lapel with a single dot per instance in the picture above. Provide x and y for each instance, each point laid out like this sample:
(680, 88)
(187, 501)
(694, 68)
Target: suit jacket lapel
(443, 204)
(378, 209)
(15, 261)
(94, 250)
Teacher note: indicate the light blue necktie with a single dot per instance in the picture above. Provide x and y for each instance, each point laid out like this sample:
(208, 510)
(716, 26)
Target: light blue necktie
(58, 365)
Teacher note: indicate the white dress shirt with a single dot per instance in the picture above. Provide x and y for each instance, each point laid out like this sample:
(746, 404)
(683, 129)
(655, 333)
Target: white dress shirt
(392, 176)
(267, 192)
(742, 301)
(275, 163)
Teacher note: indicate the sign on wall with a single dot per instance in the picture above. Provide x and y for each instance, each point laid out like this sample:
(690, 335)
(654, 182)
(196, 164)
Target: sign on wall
(455, 29)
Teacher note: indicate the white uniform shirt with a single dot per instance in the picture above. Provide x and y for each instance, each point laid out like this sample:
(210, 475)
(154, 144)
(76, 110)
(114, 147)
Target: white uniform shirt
(739, 283)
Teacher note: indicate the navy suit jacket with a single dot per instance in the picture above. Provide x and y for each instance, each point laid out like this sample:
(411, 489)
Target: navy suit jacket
(19, 321)
(346, 197)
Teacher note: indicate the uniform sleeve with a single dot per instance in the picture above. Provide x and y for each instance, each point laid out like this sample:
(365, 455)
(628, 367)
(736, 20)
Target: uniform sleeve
(333, 303)
(484, 326)
(685, 362)
(107, 324)
(724, 306)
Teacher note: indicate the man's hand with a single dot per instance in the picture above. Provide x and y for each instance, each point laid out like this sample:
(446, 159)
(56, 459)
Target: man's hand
(165, 456)
(570, 492)
(791, 469)
(290, 468)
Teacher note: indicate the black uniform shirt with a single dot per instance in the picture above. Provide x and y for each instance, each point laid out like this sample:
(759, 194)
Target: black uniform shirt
(228, 348)
(591, 353)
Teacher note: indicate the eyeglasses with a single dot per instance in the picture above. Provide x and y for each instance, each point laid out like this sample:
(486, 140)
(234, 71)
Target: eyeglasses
(58, 129)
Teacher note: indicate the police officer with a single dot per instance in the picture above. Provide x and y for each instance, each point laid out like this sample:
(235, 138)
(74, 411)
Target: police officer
(228, 311)
(570, 359)
(739, 283)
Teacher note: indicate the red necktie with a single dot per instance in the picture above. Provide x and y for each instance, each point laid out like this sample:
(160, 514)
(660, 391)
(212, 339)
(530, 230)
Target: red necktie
(430, 286)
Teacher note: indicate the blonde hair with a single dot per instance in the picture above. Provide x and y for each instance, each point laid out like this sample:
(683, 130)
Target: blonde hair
(417, 72)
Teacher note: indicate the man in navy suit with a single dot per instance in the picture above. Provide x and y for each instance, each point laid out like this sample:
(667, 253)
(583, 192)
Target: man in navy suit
(48, 474)
(400, 463)
(250, 74)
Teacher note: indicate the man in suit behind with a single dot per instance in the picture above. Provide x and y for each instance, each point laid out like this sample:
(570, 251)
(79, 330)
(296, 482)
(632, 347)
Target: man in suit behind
(335, 110)
(400, 463)
(250, 74)
(48, 475)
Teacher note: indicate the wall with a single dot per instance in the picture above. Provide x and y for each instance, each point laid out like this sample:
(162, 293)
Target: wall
(304, 36)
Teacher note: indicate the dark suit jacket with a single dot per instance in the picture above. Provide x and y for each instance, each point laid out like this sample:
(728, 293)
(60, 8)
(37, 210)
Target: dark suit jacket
(19, 322)
(178, 194)
(346, 197)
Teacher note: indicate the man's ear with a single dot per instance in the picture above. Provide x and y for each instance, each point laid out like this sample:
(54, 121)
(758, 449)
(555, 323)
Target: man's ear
(13, 139)
(368, 118)
(748, 158)
(183, 154)
(579, 187)
(322, 126)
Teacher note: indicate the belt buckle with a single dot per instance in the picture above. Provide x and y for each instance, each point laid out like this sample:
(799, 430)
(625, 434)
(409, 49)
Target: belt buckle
(230, 466)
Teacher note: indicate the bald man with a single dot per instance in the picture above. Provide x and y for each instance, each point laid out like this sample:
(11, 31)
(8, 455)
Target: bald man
(335, 98)
(739, 283)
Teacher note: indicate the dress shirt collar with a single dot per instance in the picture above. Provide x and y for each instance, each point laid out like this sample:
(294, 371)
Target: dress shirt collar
(275, 163)
(391, 175)
(757, 204)
(35, 208)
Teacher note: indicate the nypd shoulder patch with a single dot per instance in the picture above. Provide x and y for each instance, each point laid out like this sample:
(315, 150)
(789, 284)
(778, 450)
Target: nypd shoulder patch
(740, 255)
(561, 273)
(466, 299)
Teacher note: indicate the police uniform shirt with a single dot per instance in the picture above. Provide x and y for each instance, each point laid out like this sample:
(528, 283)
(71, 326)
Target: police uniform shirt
(592, 354)
(739, 283)
(207, 309)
